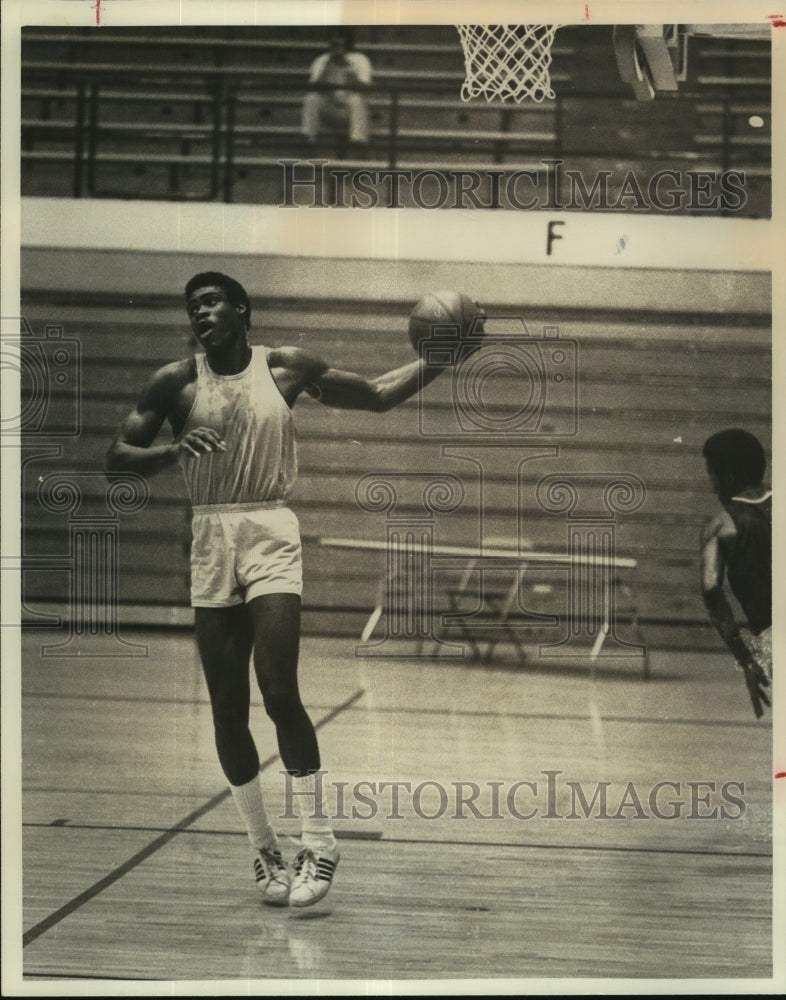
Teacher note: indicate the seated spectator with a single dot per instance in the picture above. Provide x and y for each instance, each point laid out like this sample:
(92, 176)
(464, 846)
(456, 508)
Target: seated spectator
(343, 110)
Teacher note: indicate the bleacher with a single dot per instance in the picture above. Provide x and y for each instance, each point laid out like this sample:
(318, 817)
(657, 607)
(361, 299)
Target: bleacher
(207, 115)
(657, 376)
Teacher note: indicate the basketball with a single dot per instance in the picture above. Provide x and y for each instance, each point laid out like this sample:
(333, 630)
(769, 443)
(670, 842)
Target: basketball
(442, 314)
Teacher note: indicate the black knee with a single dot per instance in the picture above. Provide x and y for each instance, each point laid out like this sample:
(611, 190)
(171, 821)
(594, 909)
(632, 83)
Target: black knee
(283, 705)
(237, 752)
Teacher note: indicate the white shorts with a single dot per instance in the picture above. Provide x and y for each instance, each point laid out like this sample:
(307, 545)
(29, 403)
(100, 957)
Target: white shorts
(241, 551)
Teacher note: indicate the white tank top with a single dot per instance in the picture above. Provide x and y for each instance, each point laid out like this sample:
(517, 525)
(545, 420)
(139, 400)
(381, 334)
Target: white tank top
(257, 427)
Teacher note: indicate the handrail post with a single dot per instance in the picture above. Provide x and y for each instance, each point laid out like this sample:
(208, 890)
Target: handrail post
(393, 138)
(229, 144)
(220, 99)
(79, 138)
(92, 129)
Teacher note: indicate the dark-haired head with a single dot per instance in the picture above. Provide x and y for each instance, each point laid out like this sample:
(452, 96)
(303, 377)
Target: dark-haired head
(346, 35)
(235, 292)
(736, 460)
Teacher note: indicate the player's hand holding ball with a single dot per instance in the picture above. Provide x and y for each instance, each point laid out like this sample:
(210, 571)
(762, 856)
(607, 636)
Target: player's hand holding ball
(446, 325)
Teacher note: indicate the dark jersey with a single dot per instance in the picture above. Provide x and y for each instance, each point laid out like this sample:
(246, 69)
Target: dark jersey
(749, 559)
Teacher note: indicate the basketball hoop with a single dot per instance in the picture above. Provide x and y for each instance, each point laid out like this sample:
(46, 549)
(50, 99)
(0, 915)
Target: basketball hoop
(507, 61)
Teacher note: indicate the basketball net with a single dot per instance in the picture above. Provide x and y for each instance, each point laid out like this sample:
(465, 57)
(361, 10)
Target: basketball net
(507, 61)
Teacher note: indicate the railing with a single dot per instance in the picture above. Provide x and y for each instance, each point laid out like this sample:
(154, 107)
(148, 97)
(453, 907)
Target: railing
(221, 97)
(217, 92)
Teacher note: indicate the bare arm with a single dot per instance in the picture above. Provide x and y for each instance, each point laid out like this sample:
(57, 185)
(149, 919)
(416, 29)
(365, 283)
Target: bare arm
(298, 371)
(720, 611)
(132, 449)
(348, 391)
(713, 571)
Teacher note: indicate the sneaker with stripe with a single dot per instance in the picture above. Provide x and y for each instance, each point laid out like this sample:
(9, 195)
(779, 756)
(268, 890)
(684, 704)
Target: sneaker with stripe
(273, 878)
(314, 872)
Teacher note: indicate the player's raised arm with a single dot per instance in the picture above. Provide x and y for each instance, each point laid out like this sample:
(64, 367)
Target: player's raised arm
(132, 449)
(346, 390)
(299, 371)
(453, 317)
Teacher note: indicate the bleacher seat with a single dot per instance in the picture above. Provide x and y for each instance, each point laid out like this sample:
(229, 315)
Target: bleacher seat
(163, 83)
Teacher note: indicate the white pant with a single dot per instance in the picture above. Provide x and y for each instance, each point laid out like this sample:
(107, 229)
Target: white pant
(241, 551)
(347, 110)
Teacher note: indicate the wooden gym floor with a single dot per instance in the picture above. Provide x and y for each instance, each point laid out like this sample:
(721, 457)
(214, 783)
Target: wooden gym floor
(135, 866)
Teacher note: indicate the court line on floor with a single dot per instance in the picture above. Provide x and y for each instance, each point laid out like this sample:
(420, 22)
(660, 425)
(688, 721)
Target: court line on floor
(114, 792)
(595, 848)
(379, 838)
(155, 845)
(555, 716)
(65, 824)
(468, 713)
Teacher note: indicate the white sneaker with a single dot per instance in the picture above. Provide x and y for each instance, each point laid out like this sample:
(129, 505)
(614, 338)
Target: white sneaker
(313, 875)
(273, 877)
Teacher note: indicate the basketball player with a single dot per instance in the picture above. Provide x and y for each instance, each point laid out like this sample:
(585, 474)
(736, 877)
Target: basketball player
(736, 544)
(230, 411)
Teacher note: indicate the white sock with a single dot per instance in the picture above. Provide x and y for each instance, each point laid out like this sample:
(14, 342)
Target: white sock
(316, 828)
(248, 799)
